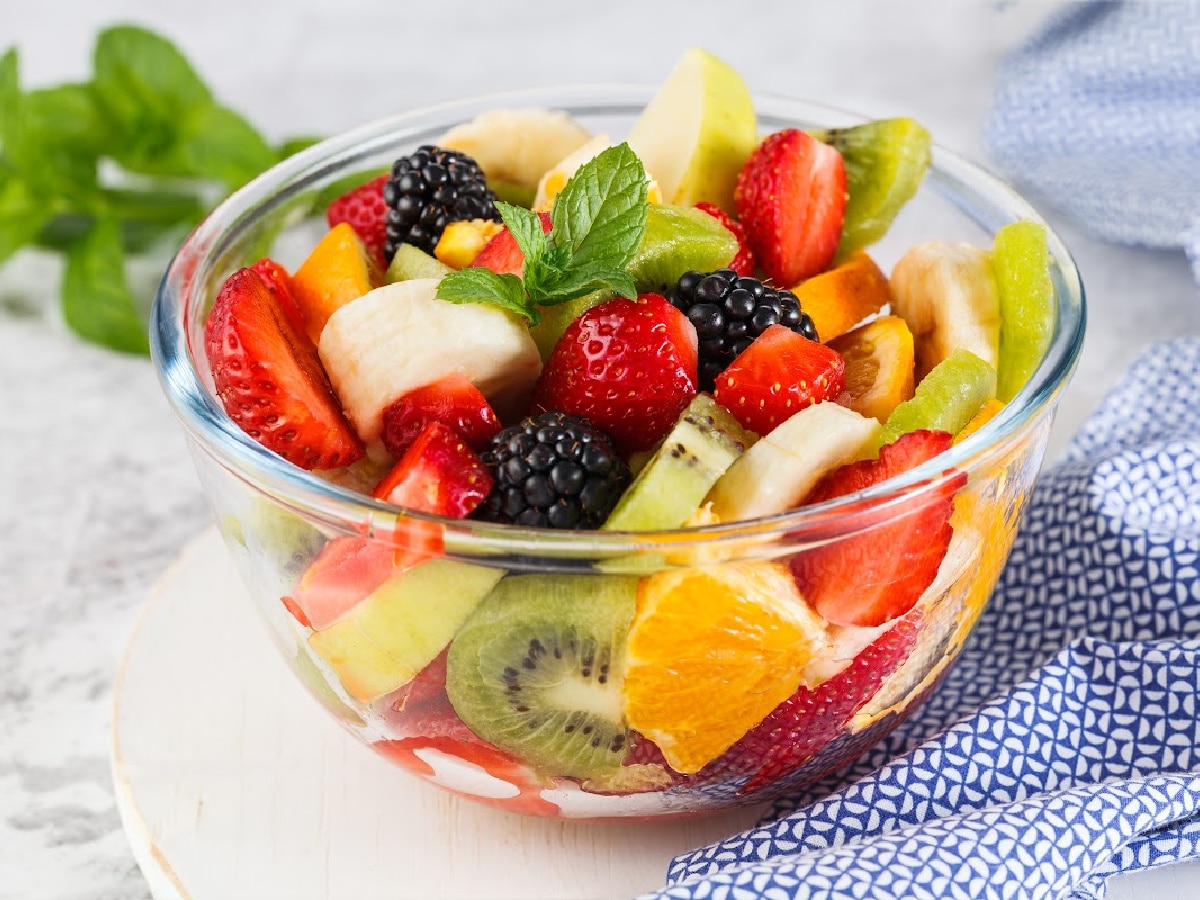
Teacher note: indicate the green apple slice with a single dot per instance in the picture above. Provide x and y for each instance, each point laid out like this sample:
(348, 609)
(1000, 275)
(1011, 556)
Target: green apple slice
(1021, 262)
(945, 400)
(697, 132)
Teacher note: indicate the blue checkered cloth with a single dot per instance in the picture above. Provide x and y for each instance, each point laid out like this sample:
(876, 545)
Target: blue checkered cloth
(1099, 114)
(1084, 757)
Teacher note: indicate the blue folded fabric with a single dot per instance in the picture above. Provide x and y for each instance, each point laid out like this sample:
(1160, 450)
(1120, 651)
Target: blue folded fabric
(1084, 757)
(1100, 115)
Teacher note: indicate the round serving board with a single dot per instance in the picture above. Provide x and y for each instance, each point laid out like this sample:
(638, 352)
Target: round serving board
(232, 782)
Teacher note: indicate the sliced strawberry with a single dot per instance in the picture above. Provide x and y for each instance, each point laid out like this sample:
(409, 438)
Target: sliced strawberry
(778, 375)
(627, 366)
(879, 574)
(501, 254)
(791, 199)
(453, 401)
(270, 380)
(345, 572)
(802, 725)
(743, 263)
(364, 210)
(421, 707)
(438, 474)
(279, 282)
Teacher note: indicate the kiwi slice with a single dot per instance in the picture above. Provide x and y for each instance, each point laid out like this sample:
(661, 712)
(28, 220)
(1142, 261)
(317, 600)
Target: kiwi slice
(704, 442)
(409, 263)
(946, 399)
(679, 239)
(1021, 261)
(537, 670)
(885, 162)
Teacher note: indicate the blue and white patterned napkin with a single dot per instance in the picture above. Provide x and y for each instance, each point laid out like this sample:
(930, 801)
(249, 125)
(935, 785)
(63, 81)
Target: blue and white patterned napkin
(1100, 114)
(1084, 759)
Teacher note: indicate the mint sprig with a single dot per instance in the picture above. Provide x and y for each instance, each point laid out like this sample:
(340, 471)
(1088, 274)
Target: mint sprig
(597, 224)
(119, 164)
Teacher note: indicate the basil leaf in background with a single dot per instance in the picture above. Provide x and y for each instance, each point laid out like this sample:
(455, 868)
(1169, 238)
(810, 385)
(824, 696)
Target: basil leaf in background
(526, 229)
(600, 214)
(215, 142)
(22, 216)
(486, 286)
(96, 300)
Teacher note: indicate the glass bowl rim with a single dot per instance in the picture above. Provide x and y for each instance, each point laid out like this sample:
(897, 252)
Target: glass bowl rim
(980, 195)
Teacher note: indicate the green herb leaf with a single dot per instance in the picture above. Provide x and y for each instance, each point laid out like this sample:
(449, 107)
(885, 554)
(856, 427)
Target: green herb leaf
(10, 91)
(215, 142)
(22, 216)
(526, 229)
(294, 145)
(96, 300)
(486, 286)
(600, 214)
(578, 282)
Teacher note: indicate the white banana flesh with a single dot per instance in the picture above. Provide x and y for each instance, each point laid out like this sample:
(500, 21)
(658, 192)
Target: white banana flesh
(947, 295)
(783, 467)
(401, 336)
(517, 145)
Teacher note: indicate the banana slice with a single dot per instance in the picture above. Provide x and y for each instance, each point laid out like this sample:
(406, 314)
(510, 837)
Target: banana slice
(517, 145)
(400, 336)
(947, 295)
(780, 470)
(558, 174)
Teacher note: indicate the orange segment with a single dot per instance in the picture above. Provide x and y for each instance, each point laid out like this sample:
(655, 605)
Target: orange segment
(339, 269)
(839, 299)
(461, 242)
(879, 366)
(986, 413)
(711, 652)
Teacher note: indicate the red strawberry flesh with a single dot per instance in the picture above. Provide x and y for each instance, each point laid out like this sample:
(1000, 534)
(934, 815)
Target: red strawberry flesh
(778, 375)
(270, 380)
(502, 255)
(791, 200)
(279, 283)
(743, 262)
(438, 474)
(364, 210)
(453, 401)
(878, 574)
(627, 366)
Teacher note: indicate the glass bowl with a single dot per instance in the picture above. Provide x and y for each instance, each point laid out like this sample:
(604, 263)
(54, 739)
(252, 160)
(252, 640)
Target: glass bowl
(716, 675)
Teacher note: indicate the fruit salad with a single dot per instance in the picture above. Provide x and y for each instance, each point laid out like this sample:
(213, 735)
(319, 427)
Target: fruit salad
(532, 326)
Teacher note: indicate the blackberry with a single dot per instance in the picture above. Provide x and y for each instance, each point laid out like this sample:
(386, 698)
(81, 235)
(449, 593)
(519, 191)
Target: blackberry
(428, 190)
(729, 312)
(553, 470)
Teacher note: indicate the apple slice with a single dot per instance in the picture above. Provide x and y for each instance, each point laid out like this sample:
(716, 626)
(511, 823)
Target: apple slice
(697, 132)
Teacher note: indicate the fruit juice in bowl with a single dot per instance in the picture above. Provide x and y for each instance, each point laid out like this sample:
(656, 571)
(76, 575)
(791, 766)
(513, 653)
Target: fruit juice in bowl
(610, 452)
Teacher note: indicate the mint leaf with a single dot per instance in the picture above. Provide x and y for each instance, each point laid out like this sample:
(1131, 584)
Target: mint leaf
(486, 286)
(22, 216)
(10, 91)
(96, 300)
(578, 282)
(294, 145)
(69, 116)
(215, 142)
(526, 229)
(600, 214)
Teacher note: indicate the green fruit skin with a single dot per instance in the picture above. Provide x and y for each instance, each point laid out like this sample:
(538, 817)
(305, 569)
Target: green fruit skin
(673, 484)
(409, 263)
(885, 162)
(1021, 261)
(945, 400)
(596, 608)
(556, 319)
(679, 239)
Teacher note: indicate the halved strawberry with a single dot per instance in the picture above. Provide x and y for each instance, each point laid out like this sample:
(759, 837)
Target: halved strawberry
(279, 282)
(778, 375)
(791, 199)
(270, 380)
(364, 210)
(501, 254)
(453, 401)
(879, 574)
(438, 474)
(627, 366)
(802, 725)
(345, 572)
(743, 263)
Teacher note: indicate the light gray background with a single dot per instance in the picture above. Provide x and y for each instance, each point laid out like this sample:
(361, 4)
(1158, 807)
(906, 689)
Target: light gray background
(96, 492)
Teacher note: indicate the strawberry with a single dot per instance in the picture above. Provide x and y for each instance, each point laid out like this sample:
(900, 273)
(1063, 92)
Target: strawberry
(501, 254)
(778, 375)
(627, 366)
(802, 725)
(453, 401)
(791, 199)
(269, 378)
(743, 263)
(364, 210)
(345, 572)
(879, 574)
(437, 474)
(279, 282)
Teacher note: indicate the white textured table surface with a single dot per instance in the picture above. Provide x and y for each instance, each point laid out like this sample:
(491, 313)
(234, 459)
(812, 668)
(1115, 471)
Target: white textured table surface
(96, 492)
